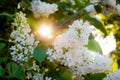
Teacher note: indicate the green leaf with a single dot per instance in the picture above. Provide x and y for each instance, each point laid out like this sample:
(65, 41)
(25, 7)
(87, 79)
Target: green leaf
(1, 71)
(2, 45)
(80, 3)
(64, 5)
(3, 59)
(93, 45)
(59, 78)
(96, 23)
(97, 76)
(15, 71)
(91, 37)
(99, 25)
(66, 76)
(40, 52)
(98, 8)
(27, 1)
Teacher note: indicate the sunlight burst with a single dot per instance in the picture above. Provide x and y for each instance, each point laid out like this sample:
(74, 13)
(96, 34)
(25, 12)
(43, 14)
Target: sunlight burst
(45, 31)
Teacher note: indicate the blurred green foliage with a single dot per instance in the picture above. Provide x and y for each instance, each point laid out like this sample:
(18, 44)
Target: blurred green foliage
(10, 70)
(7, 7)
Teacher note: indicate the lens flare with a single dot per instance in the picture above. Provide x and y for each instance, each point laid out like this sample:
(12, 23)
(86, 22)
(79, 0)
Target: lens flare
(45, 31)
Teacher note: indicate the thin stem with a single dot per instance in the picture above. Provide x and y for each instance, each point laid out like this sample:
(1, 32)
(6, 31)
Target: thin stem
(75, 16)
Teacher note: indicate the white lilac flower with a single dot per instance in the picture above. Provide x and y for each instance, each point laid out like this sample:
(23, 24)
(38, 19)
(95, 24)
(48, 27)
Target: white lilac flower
(101, 63)
(111, 3)
(28, 75)
(24, 44)
(118, 9)
(23, 39)
(92, 64)
(95, 1)
(107, 44)
(91, 10)
(42, 8)
(71, 1)
(113, 76)
(35, 74)
(38, 76)
(48, 78)
(69, 50)
(35, 67)
(115, 7)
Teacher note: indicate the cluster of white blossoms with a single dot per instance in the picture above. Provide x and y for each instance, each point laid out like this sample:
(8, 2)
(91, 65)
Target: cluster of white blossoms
(111, 3)
(69, 50)
(37, 76)
(42, 8)
(115, 7)
(95, 1)
(114, 4)
(23, 39)
(107, 44)
(24, 44)
(91, 10)
(118, 8)
(71, 1)
(113, 76)
(34, 73)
